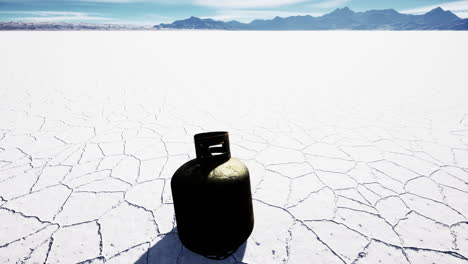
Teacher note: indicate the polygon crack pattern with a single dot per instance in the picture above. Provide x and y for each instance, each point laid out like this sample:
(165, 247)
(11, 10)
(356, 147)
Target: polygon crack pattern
(90, 183)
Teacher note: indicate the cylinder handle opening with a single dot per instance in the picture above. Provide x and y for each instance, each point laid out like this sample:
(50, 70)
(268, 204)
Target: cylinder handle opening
(212, 145)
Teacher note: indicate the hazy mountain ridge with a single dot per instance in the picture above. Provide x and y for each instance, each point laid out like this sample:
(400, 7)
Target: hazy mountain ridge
(341, 18)
(197, 23)
(13, 25)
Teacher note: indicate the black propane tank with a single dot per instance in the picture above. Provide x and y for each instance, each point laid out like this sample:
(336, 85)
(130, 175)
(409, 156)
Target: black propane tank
(212, 199)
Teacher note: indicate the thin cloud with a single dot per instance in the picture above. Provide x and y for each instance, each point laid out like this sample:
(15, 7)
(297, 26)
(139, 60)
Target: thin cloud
(44, 13)
(223, 4)
(462, 14)
(215, 3)
(55, 16)
(174, 2)
(330, 4)
(460, 8)
(115, 1)
(233, 4)
(62, 18)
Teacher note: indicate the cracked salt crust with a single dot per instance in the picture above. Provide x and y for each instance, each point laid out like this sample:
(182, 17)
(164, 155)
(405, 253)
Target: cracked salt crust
(349, 162)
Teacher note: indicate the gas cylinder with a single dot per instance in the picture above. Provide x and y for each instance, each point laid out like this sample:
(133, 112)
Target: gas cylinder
(212, 199)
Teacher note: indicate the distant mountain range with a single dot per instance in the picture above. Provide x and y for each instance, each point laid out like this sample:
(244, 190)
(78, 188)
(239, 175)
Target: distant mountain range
(58, 26)
(340, 19)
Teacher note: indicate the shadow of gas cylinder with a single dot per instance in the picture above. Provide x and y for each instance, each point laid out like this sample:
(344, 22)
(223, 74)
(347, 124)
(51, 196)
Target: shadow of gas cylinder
(169, 250)
(213, 207)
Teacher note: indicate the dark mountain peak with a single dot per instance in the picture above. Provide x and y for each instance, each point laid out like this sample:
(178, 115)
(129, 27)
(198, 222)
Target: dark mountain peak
(277, 18)
(390, 10)
(436, 10)
(197, 19)
(440, 15)
(196, 23)
(342, 11)
(383, 11)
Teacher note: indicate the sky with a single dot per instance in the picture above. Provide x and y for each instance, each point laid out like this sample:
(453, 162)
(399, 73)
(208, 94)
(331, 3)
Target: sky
(152, 12)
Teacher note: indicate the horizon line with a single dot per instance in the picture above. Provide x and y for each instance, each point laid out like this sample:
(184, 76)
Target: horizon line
(128, 23)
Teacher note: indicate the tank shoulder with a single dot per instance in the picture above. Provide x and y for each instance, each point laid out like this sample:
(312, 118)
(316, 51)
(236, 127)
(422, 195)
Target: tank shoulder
(231, 169)
(188, 168)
